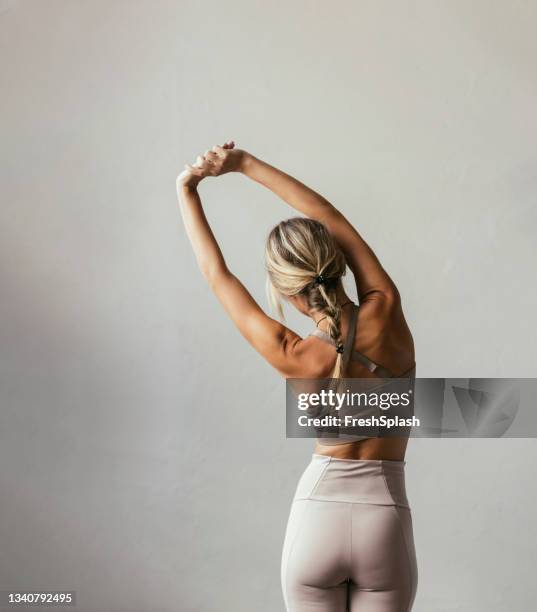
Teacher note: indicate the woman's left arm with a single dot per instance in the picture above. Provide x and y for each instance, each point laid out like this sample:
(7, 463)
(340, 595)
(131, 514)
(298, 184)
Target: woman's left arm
(279, 345)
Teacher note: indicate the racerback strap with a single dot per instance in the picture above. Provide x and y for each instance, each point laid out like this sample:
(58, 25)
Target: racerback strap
(349, 353)
(349, 340)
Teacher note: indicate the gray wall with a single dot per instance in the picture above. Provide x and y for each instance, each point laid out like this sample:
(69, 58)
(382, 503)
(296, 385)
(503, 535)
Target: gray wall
(416, 118)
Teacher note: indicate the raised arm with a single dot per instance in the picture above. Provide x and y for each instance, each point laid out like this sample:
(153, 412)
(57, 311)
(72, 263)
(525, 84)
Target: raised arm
(280, 346)
(371, 278)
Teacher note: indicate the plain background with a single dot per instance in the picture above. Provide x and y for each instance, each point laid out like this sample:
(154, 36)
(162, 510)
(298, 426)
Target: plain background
(142, 445)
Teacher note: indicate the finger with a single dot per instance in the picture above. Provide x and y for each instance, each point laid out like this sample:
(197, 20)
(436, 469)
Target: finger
(220, 151)
(199, 161)
(210, 155)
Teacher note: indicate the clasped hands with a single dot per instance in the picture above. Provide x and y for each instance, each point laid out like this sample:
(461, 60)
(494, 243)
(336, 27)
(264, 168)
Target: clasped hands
(214, 162)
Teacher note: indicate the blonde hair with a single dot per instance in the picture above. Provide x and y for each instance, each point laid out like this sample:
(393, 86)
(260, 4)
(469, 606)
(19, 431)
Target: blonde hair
(299, 253)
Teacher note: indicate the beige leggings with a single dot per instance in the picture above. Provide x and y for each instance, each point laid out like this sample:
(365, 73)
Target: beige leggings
(349, 543)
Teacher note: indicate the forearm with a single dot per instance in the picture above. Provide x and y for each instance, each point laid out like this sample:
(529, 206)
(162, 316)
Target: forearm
(289, 189)
(208, 254)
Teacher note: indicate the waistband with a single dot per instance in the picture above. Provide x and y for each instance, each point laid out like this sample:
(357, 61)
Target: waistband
(359, 481)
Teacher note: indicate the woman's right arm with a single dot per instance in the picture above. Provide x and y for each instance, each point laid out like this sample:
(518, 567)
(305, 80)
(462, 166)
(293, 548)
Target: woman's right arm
(372, 280)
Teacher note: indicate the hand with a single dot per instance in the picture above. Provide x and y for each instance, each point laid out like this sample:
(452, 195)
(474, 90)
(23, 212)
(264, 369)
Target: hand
(214, 162)
(188, 179)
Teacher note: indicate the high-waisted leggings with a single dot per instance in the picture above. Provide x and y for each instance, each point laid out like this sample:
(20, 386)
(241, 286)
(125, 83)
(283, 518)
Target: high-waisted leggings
(349, 544)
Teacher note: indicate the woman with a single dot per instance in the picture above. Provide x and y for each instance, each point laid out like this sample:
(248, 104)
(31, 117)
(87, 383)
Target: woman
(349, 542)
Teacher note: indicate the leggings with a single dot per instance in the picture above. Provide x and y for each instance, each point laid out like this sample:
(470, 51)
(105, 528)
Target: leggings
(349, 545)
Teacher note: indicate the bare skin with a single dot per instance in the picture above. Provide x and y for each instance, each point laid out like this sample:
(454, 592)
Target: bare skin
(382, 333)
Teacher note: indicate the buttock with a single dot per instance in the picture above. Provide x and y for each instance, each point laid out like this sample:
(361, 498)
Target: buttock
(349, 542)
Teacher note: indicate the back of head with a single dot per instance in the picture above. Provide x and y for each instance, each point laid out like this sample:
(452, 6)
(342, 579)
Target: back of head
(303, 259)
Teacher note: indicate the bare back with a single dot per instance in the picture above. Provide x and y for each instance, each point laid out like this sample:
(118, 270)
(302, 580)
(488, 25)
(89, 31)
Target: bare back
(383, 337)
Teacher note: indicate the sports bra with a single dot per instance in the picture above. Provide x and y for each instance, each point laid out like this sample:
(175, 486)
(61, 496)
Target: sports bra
(351, 354)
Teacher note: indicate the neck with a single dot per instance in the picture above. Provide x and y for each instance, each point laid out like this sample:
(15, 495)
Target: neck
(316, 316)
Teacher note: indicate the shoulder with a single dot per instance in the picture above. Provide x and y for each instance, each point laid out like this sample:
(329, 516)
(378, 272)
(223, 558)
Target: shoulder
(384, 330)
(308, 357)
(385, 300)
(381, 307)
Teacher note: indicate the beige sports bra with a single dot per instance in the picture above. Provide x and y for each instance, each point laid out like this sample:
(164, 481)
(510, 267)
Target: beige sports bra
(349, 353)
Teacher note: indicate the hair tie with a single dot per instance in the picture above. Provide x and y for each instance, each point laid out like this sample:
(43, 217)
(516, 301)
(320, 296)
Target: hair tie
(319, 280)
(339, 348)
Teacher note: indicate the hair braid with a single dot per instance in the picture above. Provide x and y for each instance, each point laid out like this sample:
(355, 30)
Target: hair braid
(331, 310)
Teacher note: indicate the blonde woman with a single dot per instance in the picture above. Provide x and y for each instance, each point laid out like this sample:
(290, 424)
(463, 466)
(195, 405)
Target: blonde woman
(349, 542)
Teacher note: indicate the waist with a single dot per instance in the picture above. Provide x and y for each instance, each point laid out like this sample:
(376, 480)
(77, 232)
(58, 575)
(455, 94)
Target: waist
(392, 449)
(365, 481)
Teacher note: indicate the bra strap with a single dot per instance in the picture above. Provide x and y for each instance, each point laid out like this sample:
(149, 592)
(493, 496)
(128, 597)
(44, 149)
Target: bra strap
(373, 367)
(350, 354)
(349, 340)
